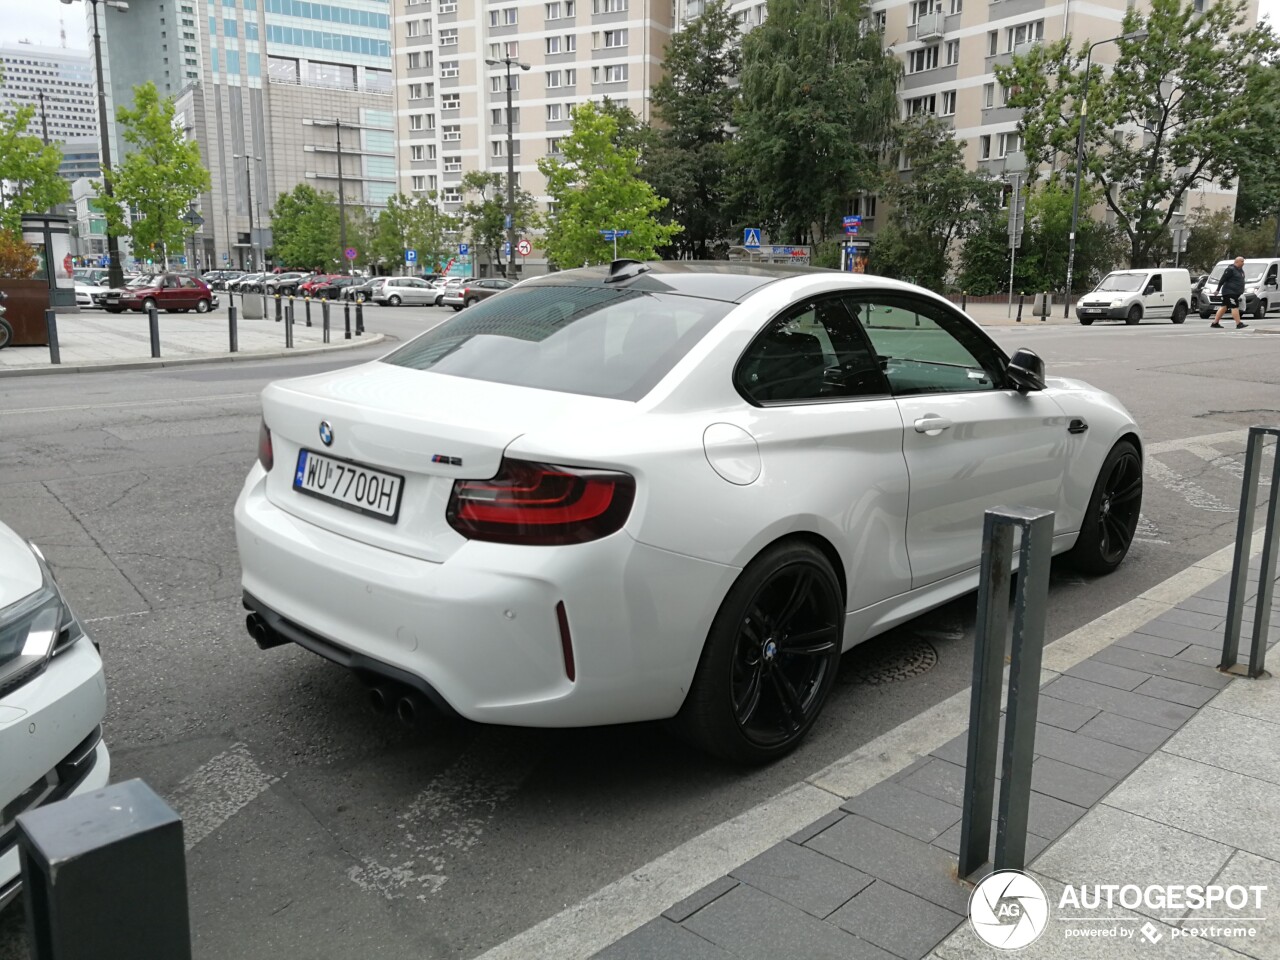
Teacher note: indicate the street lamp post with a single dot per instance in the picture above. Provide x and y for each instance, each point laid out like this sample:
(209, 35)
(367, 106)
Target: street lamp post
(342, 199)
(115, 271)
(248, 183)
(511, 168)
(1136, 35)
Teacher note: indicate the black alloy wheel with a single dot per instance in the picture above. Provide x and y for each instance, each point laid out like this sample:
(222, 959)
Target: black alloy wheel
(1112, 516)
(770, 659)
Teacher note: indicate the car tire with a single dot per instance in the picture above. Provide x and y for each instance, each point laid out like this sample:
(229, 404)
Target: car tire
(469, 302)
(1259, 309)
(1180, 313)
(202, 306)
(393, 301)
(1205, 316)
(359, 298)
(456, 308)
(1112, 515)
(1134, 315)
(1086, 321)
(148, 305)
(114, 309)
(751, 701)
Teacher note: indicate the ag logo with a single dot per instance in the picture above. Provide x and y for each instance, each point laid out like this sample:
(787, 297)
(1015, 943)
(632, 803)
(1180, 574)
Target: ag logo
(1008, 910)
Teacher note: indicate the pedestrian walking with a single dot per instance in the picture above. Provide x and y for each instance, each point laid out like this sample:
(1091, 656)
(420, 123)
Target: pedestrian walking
(1231, 287)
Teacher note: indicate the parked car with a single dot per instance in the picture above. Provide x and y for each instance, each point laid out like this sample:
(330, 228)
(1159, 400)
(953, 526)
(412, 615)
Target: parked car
(331, 288)
(94, 276)
(648, 467)
(364, 290)
(397, 290)
(90, 295)
(283, 284)
(1131, 295)
(1261, 289)
(473, 291)
(245, 283)
(446, 286)
(173, 292)
(219, 279)
(1197, 291)
(52, 699)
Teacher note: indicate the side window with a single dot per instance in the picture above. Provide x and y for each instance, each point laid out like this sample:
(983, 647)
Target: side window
(1271, 275)
(924, 348)
(1155, 283)
(813, 351)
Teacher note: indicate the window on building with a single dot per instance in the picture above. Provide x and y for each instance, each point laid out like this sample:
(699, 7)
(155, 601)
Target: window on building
(452, 164)
(918, 9)
(447, 7)
(416, 152)
(377, 81)
(993, 42)
(230, 28)
(415, 91)
(451, 132)
(498, 148)
(411, 29)
(615, 38)
(506, 17)
(948, 103)
(338, 75)
(953, 52)
(922, 106)
(552, 45)
(553, 11)
(984, 147)
(608, 6)
(415, 61)
(448, 68)
(451, 195)
(449, 37)
(1010, 143)
(553, 146)
(881, 20)
(925, 58)
(418, 183)
(282, 70)
(499, 116)
(415, 121)
(1024, 33)
(956, 6)
(451, 101)
(553, 113)
(555, 79)
(988, 95)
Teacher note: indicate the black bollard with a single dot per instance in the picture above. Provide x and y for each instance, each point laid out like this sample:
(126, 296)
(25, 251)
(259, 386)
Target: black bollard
(288, 324)
(231, 328)
(153, 321)
(346, 311)
(359, 319)
(308, 309)
(278, 307)
(1020, 296)
(324, 313)
(51, 324)
(964, 300)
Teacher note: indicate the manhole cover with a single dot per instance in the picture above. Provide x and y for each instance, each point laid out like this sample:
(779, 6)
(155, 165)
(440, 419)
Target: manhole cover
(879, 663)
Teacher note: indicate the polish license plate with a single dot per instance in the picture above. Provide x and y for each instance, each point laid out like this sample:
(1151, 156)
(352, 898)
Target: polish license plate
(351, 485)
(1093, 311)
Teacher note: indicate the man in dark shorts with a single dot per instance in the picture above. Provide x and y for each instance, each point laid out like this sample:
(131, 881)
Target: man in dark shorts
(1231, 286)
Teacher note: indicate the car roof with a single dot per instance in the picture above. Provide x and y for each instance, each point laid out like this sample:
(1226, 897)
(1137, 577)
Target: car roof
(731, 281)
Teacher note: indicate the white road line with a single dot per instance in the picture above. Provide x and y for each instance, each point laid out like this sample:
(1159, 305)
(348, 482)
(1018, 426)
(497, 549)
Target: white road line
(10, 412)
(449, 817)
(1190, 491)
(1205, 440)
(612, 912)
(217, 791)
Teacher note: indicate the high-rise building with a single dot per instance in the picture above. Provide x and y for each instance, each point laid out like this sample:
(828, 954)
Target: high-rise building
(58, 85)
(268, 89)
(451, 106)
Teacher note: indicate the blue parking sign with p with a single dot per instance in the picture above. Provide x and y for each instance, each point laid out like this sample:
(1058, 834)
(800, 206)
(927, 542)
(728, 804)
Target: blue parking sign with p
(464, 249)
(411, 256)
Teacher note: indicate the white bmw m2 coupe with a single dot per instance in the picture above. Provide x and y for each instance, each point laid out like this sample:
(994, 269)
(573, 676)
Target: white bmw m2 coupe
(661, 490)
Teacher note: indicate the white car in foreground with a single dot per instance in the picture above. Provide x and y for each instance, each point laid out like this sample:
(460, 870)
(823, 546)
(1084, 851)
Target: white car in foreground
(661, 490)
(52, 699)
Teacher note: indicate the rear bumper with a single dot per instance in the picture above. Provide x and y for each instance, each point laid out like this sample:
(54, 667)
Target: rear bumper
(479, 631)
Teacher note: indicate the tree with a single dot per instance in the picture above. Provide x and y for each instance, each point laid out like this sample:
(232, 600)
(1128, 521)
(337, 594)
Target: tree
(413, 223)
(935, 202)
(304, 226)
(17, 259)
(596, 187)
(819, 104)
(160, 177)
(1042, 259)
(484, 216)
(984, 259)
(1180, 110)
(1208, 239)
(694, 102)
(29, 181)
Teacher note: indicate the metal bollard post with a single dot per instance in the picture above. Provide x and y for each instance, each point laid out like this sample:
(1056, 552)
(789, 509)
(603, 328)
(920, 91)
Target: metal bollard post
(1034, 556)
(105, 877)
(359, 319)
(51, 325)
(1020, 296)
(964, 300)
(347, 320)
(278, 307)
(324, 313)
(153, 321)
(231, 328)
(288, 324)
(308, 309)
(1244, 547)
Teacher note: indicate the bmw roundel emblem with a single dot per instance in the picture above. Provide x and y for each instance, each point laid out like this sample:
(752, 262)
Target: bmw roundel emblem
(326, 433)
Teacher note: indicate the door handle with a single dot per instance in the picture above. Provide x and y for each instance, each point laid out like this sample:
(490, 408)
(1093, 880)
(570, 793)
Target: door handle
(932, 425)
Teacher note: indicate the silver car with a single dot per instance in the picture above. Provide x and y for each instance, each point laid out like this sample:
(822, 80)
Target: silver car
(398, 290)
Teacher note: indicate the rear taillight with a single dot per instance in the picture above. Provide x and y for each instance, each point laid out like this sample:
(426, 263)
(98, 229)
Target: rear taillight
(541, 505)
(266, 456)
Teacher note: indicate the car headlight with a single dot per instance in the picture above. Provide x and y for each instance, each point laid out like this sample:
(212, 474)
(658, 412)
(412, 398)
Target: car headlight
(1117, 303)
(34, 630)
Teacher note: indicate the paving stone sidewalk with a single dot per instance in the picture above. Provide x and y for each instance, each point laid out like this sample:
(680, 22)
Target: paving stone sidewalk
(1151, 767)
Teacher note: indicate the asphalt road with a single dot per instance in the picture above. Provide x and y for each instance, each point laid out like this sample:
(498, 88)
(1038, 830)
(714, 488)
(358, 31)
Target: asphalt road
(320, 829)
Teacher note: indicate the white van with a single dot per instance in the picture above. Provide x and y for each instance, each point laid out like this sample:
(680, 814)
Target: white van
(1131, 295)
(1261, 290)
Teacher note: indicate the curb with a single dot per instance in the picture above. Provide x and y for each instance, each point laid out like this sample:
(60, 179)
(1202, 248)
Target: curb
(149, 363)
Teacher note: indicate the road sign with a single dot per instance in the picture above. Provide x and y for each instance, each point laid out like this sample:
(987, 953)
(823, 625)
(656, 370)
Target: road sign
(524, 248)
(351, 253)
(225, 256)
(411, 256)
(751, 238)
(506, 222)
(464, 249)
(506, 250)
(193, 218)
(853, 225)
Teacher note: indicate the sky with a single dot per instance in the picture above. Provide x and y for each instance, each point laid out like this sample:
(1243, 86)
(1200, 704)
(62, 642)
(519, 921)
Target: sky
(38, 21)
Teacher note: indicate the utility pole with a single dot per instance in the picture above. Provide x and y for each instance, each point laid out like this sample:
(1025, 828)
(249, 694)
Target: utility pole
(44, 121)
(509, 62)
(115, 269)
(342, 200)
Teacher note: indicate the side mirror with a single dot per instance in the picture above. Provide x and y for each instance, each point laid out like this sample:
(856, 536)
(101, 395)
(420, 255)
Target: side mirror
(1026, 370)
(1149, 291)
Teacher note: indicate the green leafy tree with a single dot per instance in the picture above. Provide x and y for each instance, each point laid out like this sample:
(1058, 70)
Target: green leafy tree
(694, 103)
(935, 203)
(819, 104)
(304, 226)
(1180, 110)
(596, 186)
(1209, 236)
(29, 181)
(160, 177)
(984, 259)
(1042, 259)
(413, 223)
(484, 215)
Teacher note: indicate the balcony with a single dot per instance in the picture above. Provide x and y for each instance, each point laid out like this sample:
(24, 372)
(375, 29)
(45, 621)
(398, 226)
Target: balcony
(930, 26)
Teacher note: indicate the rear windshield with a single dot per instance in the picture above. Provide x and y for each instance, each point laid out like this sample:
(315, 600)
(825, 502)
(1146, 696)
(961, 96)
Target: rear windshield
(595, 341)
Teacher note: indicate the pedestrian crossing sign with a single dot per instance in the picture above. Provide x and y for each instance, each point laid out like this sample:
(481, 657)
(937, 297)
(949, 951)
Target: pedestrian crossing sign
(751, 237)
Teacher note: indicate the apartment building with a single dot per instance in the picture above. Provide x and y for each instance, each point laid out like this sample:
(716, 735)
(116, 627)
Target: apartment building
(58, 84)
(275, 92)
(451, 106)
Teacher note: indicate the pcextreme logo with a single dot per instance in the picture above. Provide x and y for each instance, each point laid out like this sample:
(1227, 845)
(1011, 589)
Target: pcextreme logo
(1009, 910)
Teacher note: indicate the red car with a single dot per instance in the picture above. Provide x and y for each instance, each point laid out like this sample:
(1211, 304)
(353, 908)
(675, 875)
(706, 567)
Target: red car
(308, 287)
(174, 292)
